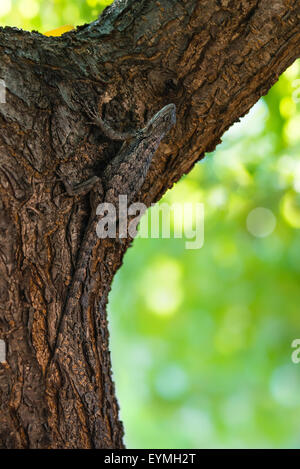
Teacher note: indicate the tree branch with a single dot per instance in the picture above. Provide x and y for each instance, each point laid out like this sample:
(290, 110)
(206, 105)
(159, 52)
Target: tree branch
(212, 58)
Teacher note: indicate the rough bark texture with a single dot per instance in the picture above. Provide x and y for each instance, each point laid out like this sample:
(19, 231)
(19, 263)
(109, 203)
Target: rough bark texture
(213, 59)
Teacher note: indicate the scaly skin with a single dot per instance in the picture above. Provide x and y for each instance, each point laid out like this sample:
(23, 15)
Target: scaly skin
(123, 176)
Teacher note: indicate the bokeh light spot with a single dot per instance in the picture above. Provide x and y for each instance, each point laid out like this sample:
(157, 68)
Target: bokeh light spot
(5, 7)
(291, 130)
(261, 222)
(171, 382)
(285, 384)
(287, 107)
(29, 8)
(161, 286)
(290, 209)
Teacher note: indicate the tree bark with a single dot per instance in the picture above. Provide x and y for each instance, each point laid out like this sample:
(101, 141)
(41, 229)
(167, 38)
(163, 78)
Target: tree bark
(212, 58)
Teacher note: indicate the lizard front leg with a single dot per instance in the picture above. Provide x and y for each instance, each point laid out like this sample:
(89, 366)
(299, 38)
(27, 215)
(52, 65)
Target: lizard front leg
(106, 129)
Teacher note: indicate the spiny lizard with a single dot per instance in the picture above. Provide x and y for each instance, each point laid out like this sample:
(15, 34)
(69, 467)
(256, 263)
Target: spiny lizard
(124, 175)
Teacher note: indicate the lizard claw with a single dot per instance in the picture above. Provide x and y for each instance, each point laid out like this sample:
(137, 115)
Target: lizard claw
(92, 113)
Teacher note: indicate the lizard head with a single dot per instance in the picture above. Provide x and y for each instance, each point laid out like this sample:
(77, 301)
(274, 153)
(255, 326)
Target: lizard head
(161, 122)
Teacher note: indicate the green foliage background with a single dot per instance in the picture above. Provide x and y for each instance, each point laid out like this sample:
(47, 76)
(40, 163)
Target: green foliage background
(201, 339)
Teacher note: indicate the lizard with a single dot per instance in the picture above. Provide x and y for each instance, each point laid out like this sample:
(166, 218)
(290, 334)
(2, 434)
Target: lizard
(124, 175)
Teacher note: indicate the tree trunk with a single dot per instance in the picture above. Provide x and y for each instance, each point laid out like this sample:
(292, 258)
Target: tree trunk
(212, 58)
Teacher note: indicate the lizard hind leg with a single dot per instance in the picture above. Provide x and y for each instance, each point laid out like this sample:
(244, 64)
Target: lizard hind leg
(82, 188)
